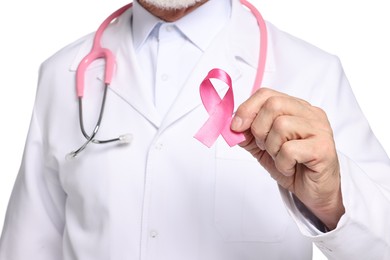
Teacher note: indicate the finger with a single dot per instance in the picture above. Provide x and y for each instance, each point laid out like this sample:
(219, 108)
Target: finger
(248, 110)
(287, 158)
(269, 165)
(275, 107)
(287, 128)
(314, 153)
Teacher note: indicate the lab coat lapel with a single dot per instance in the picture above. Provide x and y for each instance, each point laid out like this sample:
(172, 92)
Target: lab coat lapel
(128, 81)
(236, 41)
(216, 56)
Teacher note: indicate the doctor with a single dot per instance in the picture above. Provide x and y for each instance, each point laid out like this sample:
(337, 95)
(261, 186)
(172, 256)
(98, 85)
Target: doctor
(310, 169)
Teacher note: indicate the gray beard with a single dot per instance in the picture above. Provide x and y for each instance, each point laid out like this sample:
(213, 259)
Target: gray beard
(172, 4)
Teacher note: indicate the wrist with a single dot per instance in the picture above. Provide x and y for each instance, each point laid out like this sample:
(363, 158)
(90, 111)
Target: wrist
(330, 212)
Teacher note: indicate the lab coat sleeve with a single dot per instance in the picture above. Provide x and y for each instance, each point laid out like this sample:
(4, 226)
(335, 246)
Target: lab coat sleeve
(34, 221)
(363, 231)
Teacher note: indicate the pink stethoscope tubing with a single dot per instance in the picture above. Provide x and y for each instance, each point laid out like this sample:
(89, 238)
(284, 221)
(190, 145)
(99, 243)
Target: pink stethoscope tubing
(98, 52)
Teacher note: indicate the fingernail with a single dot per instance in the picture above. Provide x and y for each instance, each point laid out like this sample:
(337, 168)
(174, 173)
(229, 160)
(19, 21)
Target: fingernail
(236, 123)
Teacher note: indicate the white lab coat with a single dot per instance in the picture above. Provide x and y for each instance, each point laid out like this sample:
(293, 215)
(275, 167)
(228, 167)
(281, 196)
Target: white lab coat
(167, 196)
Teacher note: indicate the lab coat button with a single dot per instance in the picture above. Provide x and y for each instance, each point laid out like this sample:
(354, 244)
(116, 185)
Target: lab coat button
(158, 146)
(164, 77)
(169, 28)
(153, 234)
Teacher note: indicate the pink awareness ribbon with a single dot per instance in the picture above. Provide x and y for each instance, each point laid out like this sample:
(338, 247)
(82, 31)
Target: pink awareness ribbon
(220, 111)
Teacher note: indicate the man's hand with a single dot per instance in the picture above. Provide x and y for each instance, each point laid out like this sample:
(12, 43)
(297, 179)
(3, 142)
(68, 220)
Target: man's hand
(294, 142)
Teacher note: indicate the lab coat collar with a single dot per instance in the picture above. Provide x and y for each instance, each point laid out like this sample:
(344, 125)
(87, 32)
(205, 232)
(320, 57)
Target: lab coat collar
(143, 24)
(203, 24)
(200, 26)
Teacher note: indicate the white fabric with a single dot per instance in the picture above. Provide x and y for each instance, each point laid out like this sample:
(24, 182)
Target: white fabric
(168, 52)
(166, 196)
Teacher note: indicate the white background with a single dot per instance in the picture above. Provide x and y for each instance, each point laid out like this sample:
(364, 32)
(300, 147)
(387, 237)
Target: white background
(355, 30)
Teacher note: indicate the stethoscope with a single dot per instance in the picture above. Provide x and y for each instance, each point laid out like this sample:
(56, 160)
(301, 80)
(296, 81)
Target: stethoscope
(98, 52)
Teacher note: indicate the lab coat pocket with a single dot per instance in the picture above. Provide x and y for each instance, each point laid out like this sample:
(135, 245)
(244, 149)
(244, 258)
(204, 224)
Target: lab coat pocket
(248, 206)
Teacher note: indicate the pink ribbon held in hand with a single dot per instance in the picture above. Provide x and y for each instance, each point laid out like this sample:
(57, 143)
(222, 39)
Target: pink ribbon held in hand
(220, 111)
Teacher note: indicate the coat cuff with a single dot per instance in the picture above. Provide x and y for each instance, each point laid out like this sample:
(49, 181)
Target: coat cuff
(353, 236)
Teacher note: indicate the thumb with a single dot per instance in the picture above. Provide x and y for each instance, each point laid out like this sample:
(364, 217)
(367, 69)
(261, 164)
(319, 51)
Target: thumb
(247, 112)
(241, 122)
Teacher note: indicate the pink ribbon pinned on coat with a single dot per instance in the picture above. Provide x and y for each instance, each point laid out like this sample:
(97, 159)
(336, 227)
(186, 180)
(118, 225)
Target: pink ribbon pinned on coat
(220, 111)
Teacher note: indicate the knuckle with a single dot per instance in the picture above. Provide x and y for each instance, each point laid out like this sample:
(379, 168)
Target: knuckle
(262, 92)
(303, 101)
(273, 103)
(243, 109)
(324, 148)
(319, 112)
(280, 124)
(287, 150)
